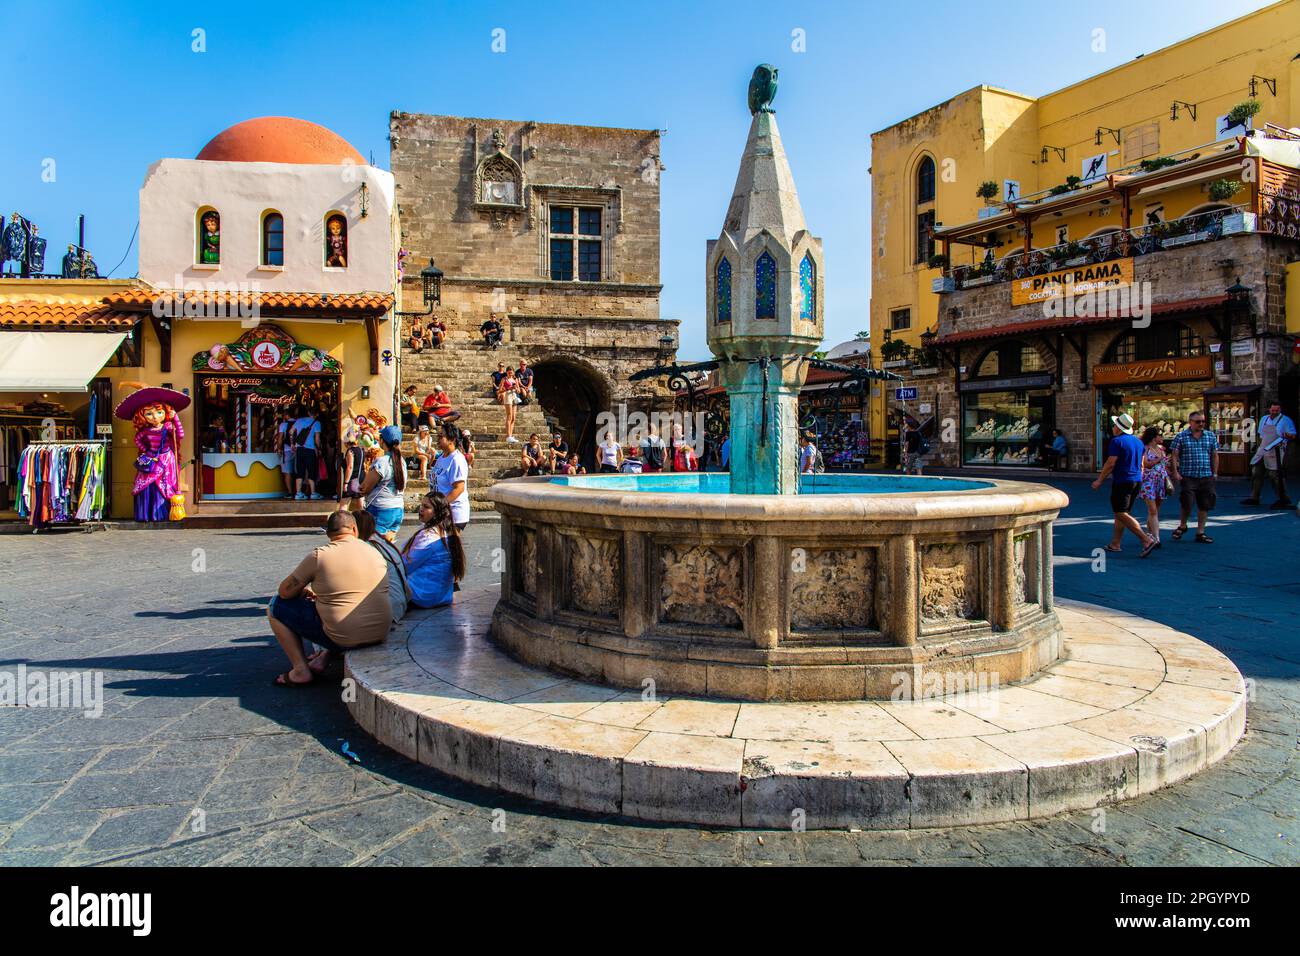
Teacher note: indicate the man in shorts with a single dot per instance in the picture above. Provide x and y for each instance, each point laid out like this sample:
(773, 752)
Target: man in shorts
(284, 438)
(1194, 464)
(337, 598)
(1124, 467)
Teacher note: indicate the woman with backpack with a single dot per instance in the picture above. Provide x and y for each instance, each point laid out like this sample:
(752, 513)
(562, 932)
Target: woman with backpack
(385, 482)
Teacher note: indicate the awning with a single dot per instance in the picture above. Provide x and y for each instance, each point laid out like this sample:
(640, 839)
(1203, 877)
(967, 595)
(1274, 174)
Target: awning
(54, 361)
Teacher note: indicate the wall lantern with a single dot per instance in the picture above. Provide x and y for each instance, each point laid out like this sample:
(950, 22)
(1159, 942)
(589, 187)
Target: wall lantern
(667, 345)
(431, 279)
(365, 199)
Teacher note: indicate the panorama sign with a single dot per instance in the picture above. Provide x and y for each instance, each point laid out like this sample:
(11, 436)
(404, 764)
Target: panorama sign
(1094, 277)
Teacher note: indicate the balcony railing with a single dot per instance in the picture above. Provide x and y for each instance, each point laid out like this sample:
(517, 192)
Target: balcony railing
(1119, 244)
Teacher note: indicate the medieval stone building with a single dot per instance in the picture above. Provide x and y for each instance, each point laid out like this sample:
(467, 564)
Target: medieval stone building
(554, 230)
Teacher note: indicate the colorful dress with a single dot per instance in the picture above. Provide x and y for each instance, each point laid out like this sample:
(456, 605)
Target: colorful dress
(1154, 487)
(155, 486)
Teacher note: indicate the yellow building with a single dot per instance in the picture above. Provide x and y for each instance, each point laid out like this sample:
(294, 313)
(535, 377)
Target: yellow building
(1085, 162)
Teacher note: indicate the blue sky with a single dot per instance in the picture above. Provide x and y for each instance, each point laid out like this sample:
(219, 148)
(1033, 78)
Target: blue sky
(106, 88)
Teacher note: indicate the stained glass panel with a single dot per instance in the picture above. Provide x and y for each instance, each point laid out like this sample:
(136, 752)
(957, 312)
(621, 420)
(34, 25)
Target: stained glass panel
(765, 287)
(808, 288)
(722, 294)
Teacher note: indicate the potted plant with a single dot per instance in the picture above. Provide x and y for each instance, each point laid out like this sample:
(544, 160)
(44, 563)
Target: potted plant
(1071, 183)
(1160, 162)
(988, 191)
(1221, 190)
(937, 261)
(1241, 114)
(895, 350)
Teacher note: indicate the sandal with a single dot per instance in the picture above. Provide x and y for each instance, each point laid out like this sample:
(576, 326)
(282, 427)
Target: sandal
(1112, 550)
(1204, 539)
(1148, 548)
(1178, 533)
(285, 681)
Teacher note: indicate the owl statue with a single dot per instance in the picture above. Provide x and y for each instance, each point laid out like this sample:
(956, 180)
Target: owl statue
(762, 88)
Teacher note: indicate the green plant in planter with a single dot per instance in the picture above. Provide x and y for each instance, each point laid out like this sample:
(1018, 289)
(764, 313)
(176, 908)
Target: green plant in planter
(895, 350)
(1222, 190)
(937, 261)
(1074, 250)
(1243, 111)
(1071, 183)
(927, 358)
(987, 190)
(1160, 162)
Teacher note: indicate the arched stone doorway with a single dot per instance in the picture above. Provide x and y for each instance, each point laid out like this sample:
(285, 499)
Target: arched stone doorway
(572, 396)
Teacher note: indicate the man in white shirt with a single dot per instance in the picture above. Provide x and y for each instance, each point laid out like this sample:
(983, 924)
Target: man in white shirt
(1275, 431)
(807, 454)
(451, 476)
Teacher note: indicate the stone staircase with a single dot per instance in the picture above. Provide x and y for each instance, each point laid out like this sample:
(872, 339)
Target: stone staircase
(464, 368)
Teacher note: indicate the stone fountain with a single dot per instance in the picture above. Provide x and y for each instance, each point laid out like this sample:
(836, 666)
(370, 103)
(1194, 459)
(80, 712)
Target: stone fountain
(760, 647)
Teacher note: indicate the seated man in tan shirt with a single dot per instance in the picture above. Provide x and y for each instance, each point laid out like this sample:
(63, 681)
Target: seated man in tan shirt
(337, 598)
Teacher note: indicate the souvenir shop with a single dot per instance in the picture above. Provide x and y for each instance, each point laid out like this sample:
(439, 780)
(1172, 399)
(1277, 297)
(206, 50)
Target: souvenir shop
(838, 422)
(243, 392)
(1165, 392)
(56, 429)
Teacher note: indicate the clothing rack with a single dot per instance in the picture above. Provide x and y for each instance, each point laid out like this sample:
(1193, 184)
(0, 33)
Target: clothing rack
(63, 482)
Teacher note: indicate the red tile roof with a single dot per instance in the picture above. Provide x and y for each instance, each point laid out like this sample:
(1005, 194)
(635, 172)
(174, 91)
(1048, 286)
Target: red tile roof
(368, 303)
(54, 314)
(1069, 323)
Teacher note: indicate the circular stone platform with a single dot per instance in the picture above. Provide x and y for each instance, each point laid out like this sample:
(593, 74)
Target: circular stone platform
(1130, 707)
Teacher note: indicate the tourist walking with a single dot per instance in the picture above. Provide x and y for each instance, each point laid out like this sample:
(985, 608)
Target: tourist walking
(385, 482)
(808, 454)
(336, 598)
(1194, 464)
(1124, 467)
(434, 556)
(1269, 461)
(350, 498)
(508, 395)
(451, 475)
(1156, 483)
(652, 451)
(306, 440)
(610, 455)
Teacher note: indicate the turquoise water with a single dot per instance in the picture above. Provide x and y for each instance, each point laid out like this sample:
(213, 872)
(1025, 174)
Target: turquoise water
(719, 483)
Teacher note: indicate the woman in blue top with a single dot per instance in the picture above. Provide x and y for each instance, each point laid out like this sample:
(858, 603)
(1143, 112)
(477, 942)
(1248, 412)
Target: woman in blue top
(434, 557)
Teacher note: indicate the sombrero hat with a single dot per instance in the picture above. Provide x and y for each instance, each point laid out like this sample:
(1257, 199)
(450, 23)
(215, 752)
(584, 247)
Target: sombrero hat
(148, 395)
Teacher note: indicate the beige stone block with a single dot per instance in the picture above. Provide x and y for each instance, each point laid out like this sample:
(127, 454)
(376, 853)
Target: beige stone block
(1095, 693)
(826, 721)
(1141, 678)
(1167, 749)
(395, 724)
(1018, 708)
(1070, 769)
(1221, 714)
(936, 719)
(749, 683)
(570, 699)
(841, 783)
(1224, 678)
(627, 709)
(962, 781)
(843, 682)
(463, 742)
(684, 778)
(569, 763)
(1142, 658)
(706, 718)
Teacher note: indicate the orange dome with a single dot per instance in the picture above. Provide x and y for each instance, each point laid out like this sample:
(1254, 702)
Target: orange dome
(280, 139)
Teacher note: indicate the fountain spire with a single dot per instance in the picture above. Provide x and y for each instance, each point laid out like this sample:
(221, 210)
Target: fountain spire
(764, 276)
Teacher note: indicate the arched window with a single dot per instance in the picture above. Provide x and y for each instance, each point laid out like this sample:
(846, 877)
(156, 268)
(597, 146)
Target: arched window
(925, 181)
(272, 239)
(207, 244)
(808, 288)
(765, 287)
(1009, 359)
(1166, 340)
(924, 209)
(336, 241)
(722, 291)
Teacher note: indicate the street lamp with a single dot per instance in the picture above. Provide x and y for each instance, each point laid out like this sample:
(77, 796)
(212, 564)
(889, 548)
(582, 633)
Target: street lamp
(431, 279)
(667, 345)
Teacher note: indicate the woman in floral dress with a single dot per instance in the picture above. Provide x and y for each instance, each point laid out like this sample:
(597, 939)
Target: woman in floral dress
(1155, 478)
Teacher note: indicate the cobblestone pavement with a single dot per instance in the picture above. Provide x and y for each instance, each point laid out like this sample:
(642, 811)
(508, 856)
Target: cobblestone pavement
(175, 620)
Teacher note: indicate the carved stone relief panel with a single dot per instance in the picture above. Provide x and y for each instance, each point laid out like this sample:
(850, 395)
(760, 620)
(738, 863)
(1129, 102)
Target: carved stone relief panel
(951, 585)
(833, 588)
(1025, 568)
(525, 560)
(594, 575)
(702, 584)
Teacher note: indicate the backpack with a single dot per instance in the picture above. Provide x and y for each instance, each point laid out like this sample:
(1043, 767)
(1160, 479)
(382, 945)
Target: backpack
(923, 446)
(819, 464)
(304, 434)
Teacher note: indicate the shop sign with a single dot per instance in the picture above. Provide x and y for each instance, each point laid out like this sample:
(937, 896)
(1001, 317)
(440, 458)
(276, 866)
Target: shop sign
(102, 429)
(1243, 347)
(920, 372)
(1095, 277)
(907, 394)
(267, 348)
(1155, 370)
(1008, 384)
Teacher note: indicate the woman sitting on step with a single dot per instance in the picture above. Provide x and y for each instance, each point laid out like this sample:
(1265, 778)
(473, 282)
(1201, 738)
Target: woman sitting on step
(434, 557)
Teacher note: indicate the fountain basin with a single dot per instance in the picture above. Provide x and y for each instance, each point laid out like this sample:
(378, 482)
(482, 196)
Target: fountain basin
(860, 587)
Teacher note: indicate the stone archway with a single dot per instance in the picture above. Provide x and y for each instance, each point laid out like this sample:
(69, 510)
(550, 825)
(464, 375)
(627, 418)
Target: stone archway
(572, 395)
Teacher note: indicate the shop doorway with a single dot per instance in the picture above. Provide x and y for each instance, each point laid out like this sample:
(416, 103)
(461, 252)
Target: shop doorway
(571, 397)
(239, 440)
(1288, 393)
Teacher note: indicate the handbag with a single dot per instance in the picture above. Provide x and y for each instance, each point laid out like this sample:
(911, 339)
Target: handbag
(145, 463)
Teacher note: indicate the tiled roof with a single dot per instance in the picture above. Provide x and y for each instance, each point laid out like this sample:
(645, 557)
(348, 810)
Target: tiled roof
(368, 303)
(63, 314)
(1067, 323)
